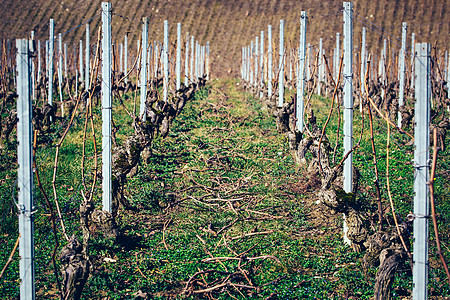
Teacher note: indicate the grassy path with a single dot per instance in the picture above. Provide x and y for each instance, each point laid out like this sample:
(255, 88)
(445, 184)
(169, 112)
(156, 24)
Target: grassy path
(222, 211)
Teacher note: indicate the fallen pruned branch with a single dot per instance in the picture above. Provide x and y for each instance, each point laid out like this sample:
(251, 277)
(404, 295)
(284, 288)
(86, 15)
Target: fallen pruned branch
(244, 258)
(10, 256)
(251, 234)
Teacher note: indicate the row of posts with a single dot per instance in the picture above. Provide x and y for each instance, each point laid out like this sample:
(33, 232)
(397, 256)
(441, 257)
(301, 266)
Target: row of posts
(257, 65)
(253, 72)
(196, 66)
(196, 61)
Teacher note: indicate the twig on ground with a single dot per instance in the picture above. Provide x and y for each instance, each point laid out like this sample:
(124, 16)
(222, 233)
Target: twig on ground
(10, 259)
(251, 234)
(164, 231)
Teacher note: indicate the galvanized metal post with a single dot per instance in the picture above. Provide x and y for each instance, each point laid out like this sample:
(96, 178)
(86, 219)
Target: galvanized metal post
(65, 60)
(178, 62)
(320, 68)
(337, 57)
(50, 62)
(363, 66)
(246, 70)
(249, 57)
(39, 71)
(207, 61)
(33, 70)
(106, 106)
(125, 60)
(242, 63)
(87, 59)
(186, 63)
(142, 112)
(348, 102)
(25, 172)
(192, 59)
(81, 62)
(401, 74)
(60, 73)
(252, 49)
(261, 64)
(281, 67)
(348, 95)
(196, 61)
(445, 64)
(199, 60)
(301, 73)
(256, 62)
(46, 57)
(413, 54)
(203, 60)
(121, 57)
(421, 174)
(166, 60)
(269, 61)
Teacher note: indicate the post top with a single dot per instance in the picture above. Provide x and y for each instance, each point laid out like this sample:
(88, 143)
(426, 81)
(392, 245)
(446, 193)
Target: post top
(348, 5)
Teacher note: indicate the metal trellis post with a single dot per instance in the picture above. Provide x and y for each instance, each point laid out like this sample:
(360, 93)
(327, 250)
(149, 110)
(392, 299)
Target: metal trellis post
(125, 60)
(178, 63)
(256, 62)
(142, 112)
(50, 61)
(39, 61)
(281, 67)
(192, 59)
(301, 72)
(186, 63)
(401, 90)
(166, 59)
(348, 102)
(421, 176)
(320, 68)
(363, 66)
(25, 173)
(60, 73)
(269, 61)
(413, 54)
(261, 63)
(250, 62)
(207, 61)
(65, 60)
(106, 106)
(87, 59)
(81, 62)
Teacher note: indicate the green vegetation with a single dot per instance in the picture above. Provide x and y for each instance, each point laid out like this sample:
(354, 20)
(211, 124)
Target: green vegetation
(220, 199)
